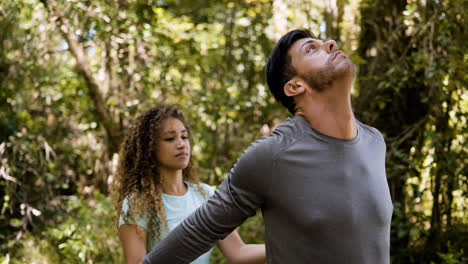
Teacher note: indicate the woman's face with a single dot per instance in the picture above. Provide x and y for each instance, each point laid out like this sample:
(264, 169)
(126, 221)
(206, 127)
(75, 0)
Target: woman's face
(173, 150)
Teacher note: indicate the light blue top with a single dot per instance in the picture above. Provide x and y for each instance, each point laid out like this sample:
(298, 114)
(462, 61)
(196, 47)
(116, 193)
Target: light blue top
(176, 208)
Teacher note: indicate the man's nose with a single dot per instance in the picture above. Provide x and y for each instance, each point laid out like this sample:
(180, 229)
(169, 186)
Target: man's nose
(330, 46)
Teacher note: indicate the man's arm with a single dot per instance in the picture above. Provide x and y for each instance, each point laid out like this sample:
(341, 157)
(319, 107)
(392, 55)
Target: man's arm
(236, 199)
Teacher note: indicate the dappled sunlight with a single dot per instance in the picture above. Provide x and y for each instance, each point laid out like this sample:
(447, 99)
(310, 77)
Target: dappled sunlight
(74, 74)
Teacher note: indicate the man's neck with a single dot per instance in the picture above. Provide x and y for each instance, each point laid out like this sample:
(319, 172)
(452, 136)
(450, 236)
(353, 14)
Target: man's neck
(172, 182)
(329, 112)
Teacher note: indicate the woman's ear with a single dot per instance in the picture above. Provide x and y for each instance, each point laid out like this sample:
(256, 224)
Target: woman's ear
(294, 87)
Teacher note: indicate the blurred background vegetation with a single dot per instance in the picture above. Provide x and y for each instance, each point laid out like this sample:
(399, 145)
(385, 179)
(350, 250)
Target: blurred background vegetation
(74, 74)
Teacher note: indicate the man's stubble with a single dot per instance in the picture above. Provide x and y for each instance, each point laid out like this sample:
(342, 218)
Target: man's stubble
(323, 79)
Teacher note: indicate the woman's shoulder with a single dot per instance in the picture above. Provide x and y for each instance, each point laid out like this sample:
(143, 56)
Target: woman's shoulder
(125, 203)
(205, 187)
(141, 219)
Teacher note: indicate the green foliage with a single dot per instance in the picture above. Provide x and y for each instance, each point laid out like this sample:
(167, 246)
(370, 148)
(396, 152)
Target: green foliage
(452, 256)
(209, 56)
(411, 87)
(83, 235)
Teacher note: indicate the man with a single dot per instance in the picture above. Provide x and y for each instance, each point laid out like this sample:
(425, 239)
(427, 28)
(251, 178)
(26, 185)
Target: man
(319, 178)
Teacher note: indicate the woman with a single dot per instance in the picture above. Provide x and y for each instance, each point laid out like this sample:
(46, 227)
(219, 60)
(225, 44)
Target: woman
(155, 188)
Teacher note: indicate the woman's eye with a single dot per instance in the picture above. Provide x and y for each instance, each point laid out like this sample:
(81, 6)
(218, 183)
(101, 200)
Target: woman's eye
(168, 139)
(184, 137)
(310, 48)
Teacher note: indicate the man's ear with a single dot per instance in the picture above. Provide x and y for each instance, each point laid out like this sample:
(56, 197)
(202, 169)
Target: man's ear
(294, 87)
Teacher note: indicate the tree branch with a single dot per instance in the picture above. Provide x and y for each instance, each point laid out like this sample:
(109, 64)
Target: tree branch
(103, 115)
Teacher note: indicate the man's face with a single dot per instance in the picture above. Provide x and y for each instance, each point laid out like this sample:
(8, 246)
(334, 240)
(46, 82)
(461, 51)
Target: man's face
(319, 63)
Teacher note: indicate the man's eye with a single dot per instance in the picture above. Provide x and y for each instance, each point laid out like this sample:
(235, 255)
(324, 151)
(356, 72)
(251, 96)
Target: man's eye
(310, 48)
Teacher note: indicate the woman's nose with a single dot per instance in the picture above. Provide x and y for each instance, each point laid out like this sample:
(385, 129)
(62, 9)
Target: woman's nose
(180, 142)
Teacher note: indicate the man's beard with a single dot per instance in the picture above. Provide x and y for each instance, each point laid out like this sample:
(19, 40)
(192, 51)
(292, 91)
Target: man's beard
(324, 78)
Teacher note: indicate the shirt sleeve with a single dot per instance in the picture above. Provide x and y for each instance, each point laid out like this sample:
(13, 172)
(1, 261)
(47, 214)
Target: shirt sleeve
(141, 221)
(237, 198)
(208, 189)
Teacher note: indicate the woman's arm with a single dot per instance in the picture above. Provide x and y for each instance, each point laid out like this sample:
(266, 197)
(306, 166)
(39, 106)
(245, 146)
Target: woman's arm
(133, 243)
(237, 252)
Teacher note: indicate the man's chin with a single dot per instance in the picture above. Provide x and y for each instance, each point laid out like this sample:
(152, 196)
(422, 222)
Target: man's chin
(346, 70)
(322, 80)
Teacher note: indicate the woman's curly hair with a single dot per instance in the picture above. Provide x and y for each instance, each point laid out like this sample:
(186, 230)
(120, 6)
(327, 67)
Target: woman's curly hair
(137, 178)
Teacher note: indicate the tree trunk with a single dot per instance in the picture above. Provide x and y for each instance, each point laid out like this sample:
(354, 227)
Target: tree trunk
(333, 16)
(103, 116)
(441, 204)
(383, 43)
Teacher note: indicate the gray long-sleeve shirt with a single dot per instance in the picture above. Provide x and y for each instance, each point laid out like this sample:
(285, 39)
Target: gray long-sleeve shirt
(323, 199)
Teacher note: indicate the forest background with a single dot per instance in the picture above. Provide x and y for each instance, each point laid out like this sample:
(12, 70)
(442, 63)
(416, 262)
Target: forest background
(74, 74)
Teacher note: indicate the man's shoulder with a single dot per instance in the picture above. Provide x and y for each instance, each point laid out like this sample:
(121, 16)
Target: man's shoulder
(370, 131)
(280, 138)
(289, 127)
